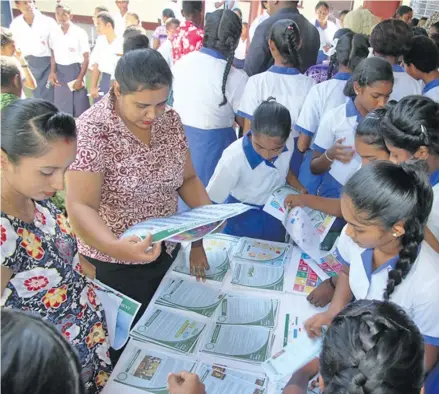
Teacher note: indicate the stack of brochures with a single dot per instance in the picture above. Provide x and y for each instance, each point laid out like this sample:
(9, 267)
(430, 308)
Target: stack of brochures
(258, 276)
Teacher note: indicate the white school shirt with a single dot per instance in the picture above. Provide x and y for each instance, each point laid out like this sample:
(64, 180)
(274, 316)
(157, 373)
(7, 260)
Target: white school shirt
(342, 121)
(244, 174)
(404, 84)
(285, 84)
(257, 21)
(165, 50)
(417, 294)
(320, 99)
(197, 85)
(431, 90)
(241, 50)
(433, 220)
(33, 40)
(69, 48)
(119, 23)
(327, 34)
(106, 55)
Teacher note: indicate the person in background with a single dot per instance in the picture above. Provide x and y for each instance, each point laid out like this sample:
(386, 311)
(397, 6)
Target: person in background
(9, 49)
(31, 31)
(216, 93)
(390, 40)
(39, 263)
(419, 31)
(132, 42)
(166, 48)
(422, 22)
(422, 63)
(189, 36)
(238, 12)
(434, 29)
(71, 52)
(360, 21)
(132, 19)
(241, 50)
(226, 4)
(105, 55)
(175, 6)
(258, 20)
(404, 13)
(121, 17)
(414, 22)
(435, 39)
(340, 19)
(259, 58)
(326, 30)
(159, 36)
(11, 84)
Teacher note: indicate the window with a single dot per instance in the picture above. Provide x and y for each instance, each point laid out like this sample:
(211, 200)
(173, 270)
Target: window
(424, 7)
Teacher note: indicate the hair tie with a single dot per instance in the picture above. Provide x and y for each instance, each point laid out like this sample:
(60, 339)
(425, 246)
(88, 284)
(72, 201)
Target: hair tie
(425, 134)
(290, 27)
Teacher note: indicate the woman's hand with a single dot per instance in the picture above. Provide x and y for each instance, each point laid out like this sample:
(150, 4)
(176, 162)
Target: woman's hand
(293, 200)
(185, 383)
(133, 249)
(314, 324)
(78, 85)
(198, 261)
(53, 79)
(340, 152)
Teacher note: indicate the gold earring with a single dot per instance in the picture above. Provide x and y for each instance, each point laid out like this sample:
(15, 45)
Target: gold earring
(395, 235)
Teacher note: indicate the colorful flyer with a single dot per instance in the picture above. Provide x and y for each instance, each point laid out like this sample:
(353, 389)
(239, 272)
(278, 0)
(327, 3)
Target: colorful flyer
(306, 279)
(259, 251)
(293, 329)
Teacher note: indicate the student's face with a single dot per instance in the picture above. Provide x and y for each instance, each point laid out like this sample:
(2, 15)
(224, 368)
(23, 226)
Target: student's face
(62, 17)
(375, 95)
(322, 14)
(40, 177)
(131, 21)
(122, 5)
(422, 23)
(341, 19)
(267, 147)
(432, 31)
(411, 70)
(101, 27)
(25, 6)
(399, 155)
(407, 18)
(140, 109)
(369, 153)
(171, 29)
(8, 49)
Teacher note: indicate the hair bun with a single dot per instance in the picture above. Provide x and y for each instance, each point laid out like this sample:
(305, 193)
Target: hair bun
(61, 120)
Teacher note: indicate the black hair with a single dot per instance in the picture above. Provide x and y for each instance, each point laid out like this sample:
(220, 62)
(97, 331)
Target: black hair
(132, 31)
(424, 55)
(344, 12)
(403, 9)
(391, 37)
(435, 26)
(172, 21)
(272, 119)
(285, 35)
(142, 69)
(435, 38)
(133, 14)
(106, 18)
(424, 18)
(192, 7)
(414, 22)
(6, 36)
(341, 32)
(139, 41)
(54, 368)
(65, 7)
(168, 13)
(263, 4)
(222, 32)
(102, 8)
(29, 125)
(419, 31)
(238, 10)
(370, 70)
(321, 4)
(412, 123)
(9, 70)
(350, 50)
(372, 347)
(390, 193)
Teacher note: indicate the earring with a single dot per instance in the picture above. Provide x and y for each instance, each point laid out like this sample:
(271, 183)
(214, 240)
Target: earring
(395, 235)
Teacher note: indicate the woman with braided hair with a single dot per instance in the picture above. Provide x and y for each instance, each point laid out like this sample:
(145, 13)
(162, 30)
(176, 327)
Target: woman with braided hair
(386, 207)
(207, 92)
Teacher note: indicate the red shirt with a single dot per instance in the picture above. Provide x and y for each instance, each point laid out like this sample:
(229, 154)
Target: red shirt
(186, 39)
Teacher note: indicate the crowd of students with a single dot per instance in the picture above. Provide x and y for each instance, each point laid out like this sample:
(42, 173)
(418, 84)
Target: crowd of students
(359, 142)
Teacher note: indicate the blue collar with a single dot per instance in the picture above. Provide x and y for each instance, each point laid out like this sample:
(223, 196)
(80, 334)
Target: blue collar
(253, 157)
(351, 110)
(318, 25)
(212, 52)
(434, 178)
(284, 70)
(431, 85)
(342, 76)
(397, 68)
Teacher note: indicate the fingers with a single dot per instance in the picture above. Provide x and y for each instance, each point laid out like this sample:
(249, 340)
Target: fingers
(174, 381)
(187, 375)
(340, 140)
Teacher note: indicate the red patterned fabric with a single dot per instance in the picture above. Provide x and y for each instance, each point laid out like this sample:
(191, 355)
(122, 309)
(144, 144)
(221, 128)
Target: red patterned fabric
(140, 181)
(186, 39)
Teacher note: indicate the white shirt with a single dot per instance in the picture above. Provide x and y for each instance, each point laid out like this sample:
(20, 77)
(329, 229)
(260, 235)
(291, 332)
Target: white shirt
(165, 50)
(119, 23)
(431, 90)
(417, 294)
(327, 34)
(404, 84)
(433, 220)
(106, 55)
(285, 84)
(340, 122)
(241, 50)
(257, 21)
(70, 47)
(33, 40)
(244, 174)
(320, 99)
(198, 79)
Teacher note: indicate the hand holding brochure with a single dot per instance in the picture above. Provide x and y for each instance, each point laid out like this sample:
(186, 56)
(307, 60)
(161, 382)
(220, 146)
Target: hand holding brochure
(188, 226)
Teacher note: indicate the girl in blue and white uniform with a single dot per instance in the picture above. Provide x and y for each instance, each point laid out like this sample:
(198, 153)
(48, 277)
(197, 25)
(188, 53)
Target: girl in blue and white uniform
(350, 49)
(252, 167)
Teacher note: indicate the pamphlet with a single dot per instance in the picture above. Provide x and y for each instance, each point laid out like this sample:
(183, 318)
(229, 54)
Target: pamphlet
(260, 251)
(258, 276)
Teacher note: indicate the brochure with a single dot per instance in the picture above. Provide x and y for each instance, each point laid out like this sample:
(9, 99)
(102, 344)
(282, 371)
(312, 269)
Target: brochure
(259, 251)
(258, 276)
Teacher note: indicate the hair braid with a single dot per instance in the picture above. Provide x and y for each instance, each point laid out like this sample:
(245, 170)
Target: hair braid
(332, 65)
(292, 34)
(226, 75)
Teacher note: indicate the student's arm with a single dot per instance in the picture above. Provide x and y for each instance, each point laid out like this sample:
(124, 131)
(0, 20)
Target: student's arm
(79, 83)
(294, 182)
(94, 88)
(331, 206)
(155, 43)
(431, 357)
(29, 79)
(6, 274)
(298, 384)
(241, 121)
(309, 118)
(322, 161)
(52, 76)
(431, 239)
(247, 125)
(303, 142)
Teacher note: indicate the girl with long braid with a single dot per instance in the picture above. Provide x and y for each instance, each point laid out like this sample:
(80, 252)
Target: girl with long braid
(207, 92)
(386, 207)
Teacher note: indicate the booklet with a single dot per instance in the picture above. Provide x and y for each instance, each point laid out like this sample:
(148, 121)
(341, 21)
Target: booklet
(248, 311)
(188, 226)
(275, 206)
(120, 311)
(258, 276)
(145, 370)
(190, 296)
(259, 251)
(245, 343)
(168, 329)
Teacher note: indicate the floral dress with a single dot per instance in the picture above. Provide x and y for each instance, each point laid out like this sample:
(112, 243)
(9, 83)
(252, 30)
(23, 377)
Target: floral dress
(43, 258)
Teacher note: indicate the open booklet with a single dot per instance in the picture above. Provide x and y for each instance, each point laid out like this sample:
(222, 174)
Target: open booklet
(188, 226)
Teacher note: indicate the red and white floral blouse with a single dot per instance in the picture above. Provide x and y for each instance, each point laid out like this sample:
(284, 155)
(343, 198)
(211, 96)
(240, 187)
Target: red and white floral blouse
(186, 39)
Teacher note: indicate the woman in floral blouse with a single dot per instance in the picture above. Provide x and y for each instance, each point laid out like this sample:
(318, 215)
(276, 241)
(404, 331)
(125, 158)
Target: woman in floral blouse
(38, 249)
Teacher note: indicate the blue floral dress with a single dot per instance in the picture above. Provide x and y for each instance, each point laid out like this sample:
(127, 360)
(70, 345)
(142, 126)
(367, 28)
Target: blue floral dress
(46, 280)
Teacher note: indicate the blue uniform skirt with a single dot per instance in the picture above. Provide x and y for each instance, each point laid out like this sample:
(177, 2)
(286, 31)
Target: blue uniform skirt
(40, 68)
(104, 85)
(74, 103)
(255, 223)
(310, 181)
